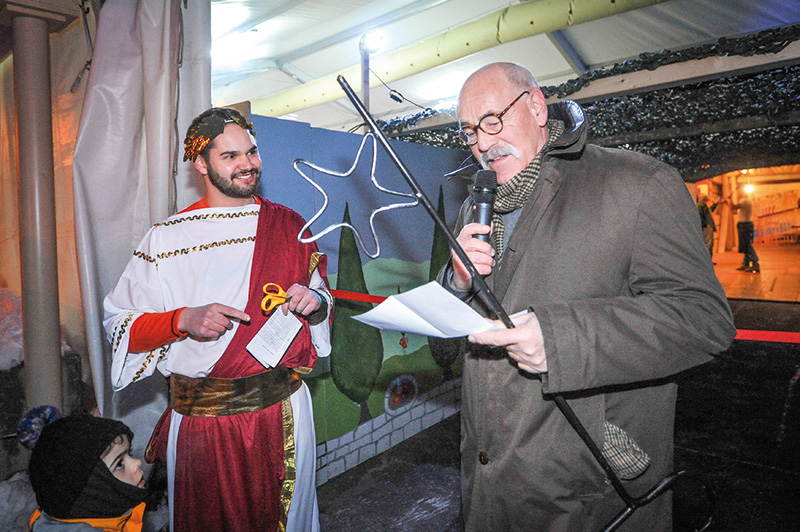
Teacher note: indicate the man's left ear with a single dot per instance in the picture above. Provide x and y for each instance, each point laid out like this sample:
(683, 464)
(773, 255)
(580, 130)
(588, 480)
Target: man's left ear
(539, 106)
(200, 164)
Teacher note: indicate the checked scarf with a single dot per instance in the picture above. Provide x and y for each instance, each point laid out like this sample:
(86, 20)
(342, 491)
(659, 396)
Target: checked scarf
(515, 193)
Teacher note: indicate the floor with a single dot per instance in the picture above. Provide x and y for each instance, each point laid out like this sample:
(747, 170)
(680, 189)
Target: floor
(738, 422)
(779, 279)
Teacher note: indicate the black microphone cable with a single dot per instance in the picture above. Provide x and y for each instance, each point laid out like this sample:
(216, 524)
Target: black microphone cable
(397, 96)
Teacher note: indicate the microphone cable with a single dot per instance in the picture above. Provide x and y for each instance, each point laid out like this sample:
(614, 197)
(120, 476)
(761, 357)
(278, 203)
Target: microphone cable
(396, 95)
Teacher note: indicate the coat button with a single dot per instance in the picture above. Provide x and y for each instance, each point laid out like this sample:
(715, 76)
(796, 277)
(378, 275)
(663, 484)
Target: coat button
(483, 458)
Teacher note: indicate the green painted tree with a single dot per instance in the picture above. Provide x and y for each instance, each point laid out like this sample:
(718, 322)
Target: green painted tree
(444, 351)
(357, 348)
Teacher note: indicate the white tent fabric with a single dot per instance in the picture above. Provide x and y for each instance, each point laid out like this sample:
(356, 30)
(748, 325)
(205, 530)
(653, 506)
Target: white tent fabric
(69, 51)
(125, 163)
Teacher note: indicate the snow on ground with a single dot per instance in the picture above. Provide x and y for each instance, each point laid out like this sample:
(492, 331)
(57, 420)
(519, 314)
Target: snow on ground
(17, 503)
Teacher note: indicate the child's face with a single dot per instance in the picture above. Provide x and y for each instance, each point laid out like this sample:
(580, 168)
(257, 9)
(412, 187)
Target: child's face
(122, 465)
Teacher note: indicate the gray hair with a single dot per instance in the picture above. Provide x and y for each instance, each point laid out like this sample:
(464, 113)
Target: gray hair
(518, 75)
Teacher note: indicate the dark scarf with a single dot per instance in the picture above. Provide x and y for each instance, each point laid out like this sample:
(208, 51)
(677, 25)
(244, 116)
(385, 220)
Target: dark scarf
(105, 496)
(514, 194)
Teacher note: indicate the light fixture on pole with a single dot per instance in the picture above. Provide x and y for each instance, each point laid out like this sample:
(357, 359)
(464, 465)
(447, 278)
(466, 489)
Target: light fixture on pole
(369, 43)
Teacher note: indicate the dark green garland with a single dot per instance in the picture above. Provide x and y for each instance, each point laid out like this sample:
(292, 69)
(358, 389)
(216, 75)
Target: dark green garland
(682, 116)
(765, 42)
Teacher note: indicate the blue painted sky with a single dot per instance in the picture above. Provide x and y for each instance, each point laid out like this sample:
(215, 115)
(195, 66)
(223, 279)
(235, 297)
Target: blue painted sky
(405, 234)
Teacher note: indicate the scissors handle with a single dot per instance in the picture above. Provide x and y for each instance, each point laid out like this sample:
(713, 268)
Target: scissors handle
(274, 295)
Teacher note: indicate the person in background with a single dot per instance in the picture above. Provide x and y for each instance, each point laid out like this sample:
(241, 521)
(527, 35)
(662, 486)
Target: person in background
(603, 248)
(746, 230)
(707, 222)
(83, 474)
(238, 437)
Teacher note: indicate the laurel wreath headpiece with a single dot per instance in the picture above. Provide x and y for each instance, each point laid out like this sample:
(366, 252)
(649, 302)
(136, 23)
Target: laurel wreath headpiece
(209, 128)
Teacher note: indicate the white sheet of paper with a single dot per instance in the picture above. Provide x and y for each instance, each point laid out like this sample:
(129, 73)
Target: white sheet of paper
(273, 339)
(429, 310)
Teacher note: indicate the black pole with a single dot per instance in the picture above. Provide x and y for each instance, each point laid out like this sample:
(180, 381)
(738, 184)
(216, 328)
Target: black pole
(480, 285)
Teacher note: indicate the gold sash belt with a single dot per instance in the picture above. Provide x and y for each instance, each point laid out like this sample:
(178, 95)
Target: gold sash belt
(215, 397)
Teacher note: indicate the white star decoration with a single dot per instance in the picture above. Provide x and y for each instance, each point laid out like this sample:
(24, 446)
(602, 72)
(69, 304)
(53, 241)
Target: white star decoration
(300, 162)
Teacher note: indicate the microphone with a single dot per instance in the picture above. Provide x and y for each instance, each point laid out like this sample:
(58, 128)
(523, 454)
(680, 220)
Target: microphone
(483, 194)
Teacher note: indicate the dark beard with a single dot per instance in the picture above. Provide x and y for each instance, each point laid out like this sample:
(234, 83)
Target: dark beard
(229, 187)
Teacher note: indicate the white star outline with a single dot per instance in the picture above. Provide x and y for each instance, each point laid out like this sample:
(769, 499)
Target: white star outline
(298, 162)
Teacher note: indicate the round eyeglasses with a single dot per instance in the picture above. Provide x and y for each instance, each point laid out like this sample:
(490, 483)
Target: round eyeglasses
(491, 124)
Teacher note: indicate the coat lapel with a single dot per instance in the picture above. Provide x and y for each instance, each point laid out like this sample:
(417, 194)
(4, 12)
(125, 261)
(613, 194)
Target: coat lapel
(541, 200)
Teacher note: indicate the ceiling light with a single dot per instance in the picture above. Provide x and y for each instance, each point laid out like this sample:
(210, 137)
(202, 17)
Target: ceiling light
(371, 42)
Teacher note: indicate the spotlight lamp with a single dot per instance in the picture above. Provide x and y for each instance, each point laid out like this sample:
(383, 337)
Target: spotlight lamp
(370, 42)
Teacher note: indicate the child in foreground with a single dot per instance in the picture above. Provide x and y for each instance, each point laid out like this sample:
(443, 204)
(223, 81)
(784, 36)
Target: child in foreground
(84, 477)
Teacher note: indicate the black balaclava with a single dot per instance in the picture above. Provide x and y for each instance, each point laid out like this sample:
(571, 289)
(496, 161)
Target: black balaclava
(65, 469)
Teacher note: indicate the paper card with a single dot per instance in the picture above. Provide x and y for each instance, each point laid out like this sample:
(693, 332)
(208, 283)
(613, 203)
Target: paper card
(273, 339)
(428, 310)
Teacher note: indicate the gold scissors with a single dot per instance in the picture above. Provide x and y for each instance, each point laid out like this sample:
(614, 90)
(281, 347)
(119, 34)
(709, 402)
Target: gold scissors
(274, 295)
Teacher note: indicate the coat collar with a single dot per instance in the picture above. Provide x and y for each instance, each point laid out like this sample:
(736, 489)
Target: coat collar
(573, 140)
(130, 522)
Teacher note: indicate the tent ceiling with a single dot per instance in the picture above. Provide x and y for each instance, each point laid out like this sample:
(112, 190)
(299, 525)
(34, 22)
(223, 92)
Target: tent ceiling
(261, 48)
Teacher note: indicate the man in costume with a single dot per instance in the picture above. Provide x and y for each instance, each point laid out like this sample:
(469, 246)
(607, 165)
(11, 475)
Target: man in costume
(238, 436)
(604, 249)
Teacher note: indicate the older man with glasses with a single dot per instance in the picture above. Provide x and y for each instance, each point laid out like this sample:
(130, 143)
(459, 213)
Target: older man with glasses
(603, 248)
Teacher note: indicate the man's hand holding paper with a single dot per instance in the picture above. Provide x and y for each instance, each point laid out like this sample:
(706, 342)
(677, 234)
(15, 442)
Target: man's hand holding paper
(524, 343)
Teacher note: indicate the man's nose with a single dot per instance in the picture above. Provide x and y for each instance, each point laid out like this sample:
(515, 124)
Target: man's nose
(251, 161)
(485, 140)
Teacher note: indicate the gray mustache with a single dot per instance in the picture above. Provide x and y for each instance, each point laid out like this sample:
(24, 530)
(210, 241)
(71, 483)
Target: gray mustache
(496, 152)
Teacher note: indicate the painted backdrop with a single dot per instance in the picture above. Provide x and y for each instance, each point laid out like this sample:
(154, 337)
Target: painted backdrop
(369, 371)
